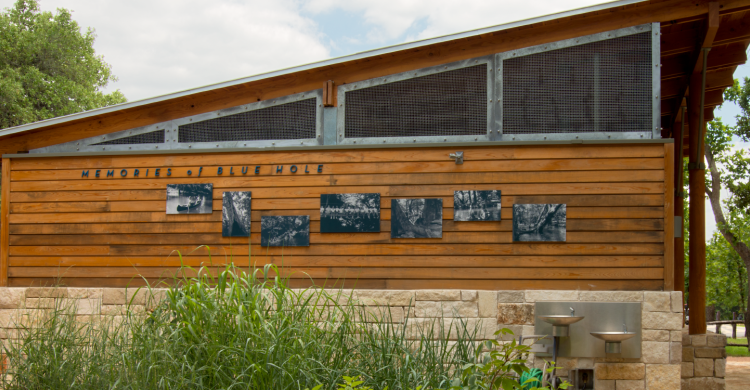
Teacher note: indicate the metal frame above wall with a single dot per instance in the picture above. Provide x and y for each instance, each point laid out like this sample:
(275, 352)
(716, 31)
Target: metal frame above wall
(495, 95)
(171, 129)
(330, 123)
(343, 89)
(654, 132)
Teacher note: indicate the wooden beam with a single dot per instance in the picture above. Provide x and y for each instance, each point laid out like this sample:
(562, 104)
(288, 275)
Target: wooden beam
(720, 79)
(329, 94)
(721, 57)
(713, 98)
(706, 39)
(4, 219)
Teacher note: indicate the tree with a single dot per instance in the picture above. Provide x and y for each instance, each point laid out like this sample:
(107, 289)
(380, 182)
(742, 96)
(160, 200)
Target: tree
(48, 67)
(730, 168)
(726, 277)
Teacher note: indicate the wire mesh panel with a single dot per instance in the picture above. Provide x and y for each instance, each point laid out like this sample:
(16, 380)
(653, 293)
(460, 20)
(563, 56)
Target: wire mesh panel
(295, 120)
(152, 137)
(450, 103)
(603, 86)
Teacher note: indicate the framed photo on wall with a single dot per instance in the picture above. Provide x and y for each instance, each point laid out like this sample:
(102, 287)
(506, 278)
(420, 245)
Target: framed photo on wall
(283, 230)
(350, 213)
(235, 214)
(416, 218)
(539, 222)
(476, 205)
(190, 198)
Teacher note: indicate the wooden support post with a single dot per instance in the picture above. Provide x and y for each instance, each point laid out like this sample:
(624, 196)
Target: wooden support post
(697, 182)
(679, 203)
(4, 223)
(669, 266)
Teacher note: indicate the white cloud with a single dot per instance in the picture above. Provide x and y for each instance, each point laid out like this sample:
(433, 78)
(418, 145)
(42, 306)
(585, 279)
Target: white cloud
(163, 46)
(392, 19)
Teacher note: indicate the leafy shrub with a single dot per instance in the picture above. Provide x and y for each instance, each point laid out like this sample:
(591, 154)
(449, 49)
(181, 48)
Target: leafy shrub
(236, 330)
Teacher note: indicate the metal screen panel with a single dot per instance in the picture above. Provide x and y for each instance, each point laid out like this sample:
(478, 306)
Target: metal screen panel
(602, 86)
(153, 137)
(289, 121)
(449, 103)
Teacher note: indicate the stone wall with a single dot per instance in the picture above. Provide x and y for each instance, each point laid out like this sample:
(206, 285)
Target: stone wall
(704, 360)
(659, 365)
(658, 368)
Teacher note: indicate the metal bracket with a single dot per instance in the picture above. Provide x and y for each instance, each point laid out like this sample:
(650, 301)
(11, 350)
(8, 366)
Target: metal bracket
(458, 156)
(694, 166)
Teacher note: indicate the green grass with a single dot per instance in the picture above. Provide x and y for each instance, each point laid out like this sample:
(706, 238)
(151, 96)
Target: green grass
(737, 351)
(236, 330)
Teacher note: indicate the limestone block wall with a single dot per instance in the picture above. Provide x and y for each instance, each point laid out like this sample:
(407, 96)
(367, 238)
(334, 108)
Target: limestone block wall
(658, 368)
(704, 360)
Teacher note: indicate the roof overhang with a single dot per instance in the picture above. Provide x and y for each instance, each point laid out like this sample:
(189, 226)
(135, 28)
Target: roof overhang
(689, 15)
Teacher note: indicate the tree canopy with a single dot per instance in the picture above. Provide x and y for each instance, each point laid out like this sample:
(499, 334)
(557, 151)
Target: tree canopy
(48, 66)
(728, 259)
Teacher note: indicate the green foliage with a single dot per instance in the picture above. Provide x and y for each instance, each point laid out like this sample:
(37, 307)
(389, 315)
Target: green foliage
(737, 351)
(353, 383)
(726, 277)
(498, 366)
(740, 95)
(238, 330)
(733, 165)
(48, 67)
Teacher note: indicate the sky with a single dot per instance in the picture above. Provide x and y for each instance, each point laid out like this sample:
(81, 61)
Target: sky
(158, 47)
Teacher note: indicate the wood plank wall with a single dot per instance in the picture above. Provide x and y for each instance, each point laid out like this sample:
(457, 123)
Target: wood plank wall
(108, 232)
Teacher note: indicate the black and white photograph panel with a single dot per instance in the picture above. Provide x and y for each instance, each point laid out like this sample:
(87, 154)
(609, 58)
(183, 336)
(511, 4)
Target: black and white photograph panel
(189, 198)
(235, 214)
(476, 205)
(539, 222)
(416, 218)
(293, 230)
(349, 213)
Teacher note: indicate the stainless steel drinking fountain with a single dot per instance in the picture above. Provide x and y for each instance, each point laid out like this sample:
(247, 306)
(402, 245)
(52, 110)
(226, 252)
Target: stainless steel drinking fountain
(574, 335)
(613, 340)
(561, 323)
(560, 328)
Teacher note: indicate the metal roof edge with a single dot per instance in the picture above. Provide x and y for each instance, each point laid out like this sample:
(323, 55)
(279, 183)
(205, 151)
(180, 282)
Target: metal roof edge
(343, 147)
(299, 68)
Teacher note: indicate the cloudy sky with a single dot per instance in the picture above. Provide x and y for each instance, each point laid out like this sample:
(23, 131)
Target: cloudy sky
(158, 47)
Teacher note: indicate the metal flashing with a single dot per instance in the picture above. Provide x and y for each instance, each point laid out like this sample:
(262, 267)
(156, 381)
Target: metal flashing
(344, 147)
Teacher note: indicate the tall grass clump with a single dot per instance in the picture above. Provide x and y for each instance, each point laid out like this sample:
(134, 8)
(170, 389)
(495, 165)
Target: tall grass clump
(237, 330)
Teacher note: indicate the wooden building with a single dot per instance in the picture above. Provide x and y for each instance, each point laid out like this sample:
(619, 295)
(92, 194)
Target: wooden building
(580, 108)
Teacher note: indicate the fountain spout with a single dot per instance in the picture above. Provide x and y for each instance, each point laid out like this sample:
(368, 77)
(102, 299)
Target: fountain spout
(572, 312)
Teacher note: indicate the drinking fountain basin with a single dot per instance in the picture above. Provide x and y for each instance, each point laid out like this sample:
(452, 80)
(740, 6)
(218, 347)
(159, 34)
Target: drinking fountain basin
(613, 340)
(613, 337)
(560, 323)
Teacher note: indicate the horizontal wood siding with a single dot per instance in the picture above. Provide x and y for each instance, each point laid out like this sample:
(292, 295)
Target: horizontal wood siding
(110, 231)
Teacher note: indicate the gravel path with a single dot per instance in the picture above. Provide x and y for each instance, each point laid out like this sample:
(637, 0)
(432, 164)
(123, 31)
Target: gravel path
(738, 373)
